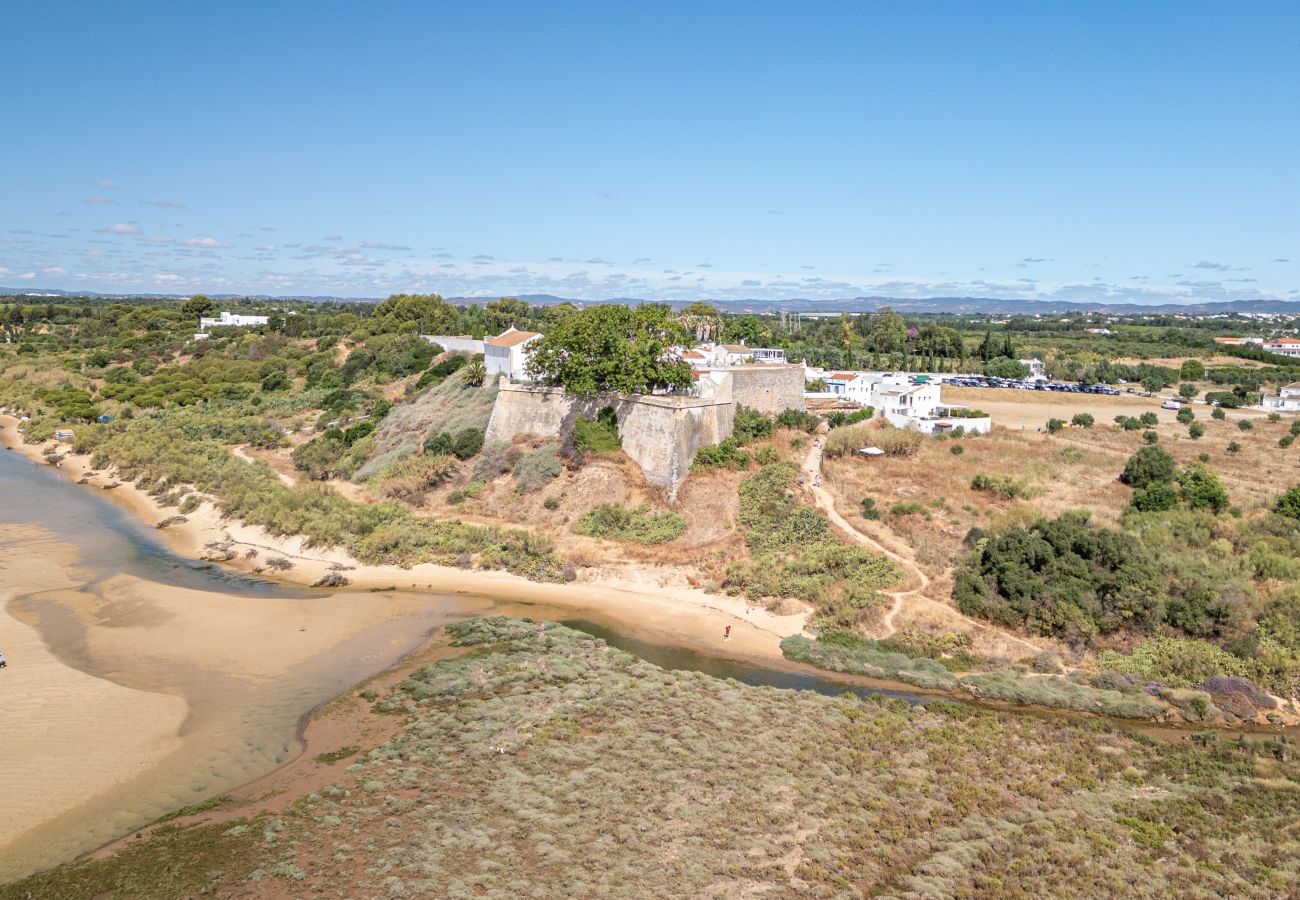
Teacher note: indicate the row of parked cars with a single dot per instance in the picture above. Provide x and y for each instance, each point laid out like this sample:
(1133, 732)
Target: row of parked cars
(1062, 387)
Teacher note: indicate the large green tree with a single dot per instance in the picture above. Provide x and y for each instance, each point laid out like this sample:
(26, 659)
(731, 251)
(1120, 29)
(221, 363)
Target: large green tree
(612, 348)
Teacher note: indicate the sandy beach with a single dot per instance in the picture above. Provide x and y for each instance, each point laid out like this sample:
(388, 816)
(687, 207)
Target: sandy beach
(51, 712)
(126, 698)
(654, 599)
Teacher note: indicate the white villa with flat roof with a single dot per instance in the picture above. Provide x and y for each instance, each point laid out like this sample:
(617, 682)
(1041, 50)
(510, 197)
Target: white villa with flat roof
(1287, 399)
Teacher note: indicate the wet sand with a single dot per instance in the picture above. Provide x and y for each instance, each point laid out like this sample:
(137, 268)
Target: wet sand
(65, 735)
(128, 697)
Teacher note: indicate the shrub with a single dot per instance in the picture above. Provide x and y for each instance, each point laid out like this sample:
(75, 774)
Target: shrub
(1003, 486)
(1149, 419)
(751, 424)
(869, 510)
(1286, 440)
(1218, 413)
(1233, 447)
(467, 443)
(1245, 425)
(1196, 431)
(765, 456)
(726, 454)
(1060, 577)
(1289, 503)
(1295, 427)
(1179, 662)
(1083, 420)
(1275, 417)
(800, 420)
(438, 444)
(956, 449)
(1185, 415)
(411, 478)
(1055, 425)
(1150, 437)
(908, 508)
(641, 524)
(599, 435)
(1155, 497)
(536, 469)
(1147, 466)
(551, 502)
(1200, 489)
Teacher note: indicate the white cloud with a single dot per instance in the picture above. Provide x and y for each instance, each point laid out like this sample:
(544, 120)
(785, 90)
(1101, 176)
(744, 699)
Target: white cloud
(99, 200)
(108, 184)
(119, 228)
(164, 204)
(206, 242)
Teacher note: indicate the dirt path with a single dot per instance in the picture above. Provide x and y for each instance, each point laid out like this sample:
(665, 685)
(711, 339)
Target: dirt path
(241, 452)
(914, 596)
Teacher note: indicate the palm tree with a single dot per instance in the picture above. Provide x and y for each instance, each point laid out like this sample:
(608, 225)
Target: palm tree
(475, 373)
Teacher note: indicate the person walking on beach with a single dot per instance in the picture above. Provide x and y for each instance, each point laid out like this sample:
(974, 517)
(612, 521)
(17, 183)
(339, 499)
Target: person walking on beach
(2, 660)
(726, 635)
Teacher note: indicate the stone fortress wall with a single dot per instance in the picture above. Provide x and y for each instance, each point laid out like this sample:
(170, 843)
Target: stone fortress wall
(662, 434)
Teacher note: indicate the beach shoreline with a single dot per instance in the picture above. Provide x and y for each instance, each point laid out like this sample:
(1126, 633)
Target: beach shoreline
(692, 618)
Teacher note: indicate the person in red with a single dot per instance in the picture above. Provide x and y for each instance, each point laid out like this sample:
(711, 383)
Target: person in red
(726, 635)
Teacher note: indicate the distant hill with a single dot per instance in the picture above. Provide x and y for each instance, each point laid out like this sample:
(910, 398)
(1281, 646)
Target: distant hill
(951, 305)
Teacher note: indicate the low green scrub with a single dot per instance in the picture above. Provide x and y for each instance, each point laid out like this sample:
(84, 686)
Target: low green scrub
(536, 469)
(867, 658)
(793, 555)
(1003, 486)
(1061, 693)
(599, 435)
(185, 446)
(723, 455)
(640, 525)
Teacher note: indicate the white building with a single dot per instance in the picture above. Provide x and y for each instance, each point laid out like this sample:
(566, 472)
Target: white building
(773, 355)
(1035, 367)
(455, 343)
(1286, 346)
(904, 402)
(1287, 399)
(232, 320)
(507, 353)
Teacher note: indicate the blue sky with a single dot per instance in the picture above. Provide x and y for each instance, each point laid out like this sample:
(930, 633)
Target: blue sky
(1111, 151)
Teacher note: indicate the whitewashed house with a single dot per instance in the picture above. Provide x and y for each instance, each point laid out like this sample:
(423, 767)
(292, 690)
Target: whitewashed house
(1036, 370)
(507, 353)
(1287, 399)
(232, 320)
(1287, 346)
